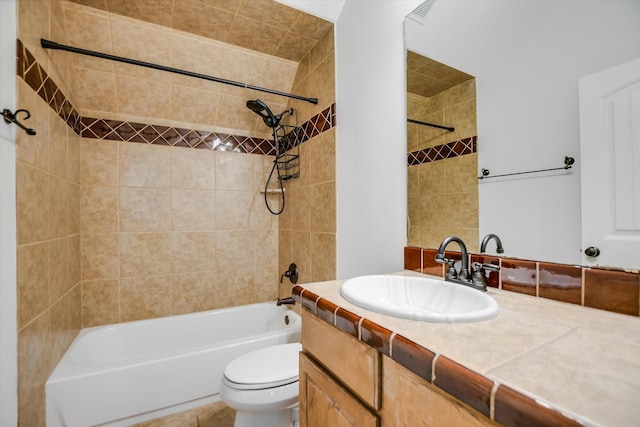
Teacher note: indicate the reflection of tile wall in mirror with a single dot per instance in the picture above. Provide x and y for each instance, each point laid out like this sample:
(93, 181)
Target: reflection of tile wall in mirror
(443, 192)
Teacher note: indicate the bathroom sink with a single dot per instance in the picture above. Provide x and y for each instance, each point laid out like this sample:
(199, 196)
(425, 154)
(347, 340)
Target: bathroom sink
(420, 298)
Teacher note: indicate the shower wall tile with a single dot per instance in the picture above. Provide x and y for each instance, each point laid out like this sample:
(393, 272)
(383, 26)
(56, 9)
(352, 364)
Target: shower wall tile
(192, 292)
(145, 209)
(99, 208)
(100, 257)
(100, 302)
(191, 169)
(144, 254)
(99, 163)
(144, 166)
(194, 210)
(145, 297)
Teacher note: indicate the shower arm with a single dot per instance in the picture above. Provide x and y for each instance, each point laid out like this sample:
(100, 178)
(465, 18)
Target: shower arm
(47, 44)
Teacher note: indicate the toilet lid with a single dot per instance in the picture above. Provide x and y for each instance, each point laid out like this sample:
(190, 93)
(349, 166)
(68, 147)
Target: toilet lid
(276, 365)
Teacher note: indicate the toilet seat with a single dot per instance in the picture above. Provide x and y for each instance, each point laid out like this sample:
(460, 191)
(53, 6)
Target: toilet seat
(265, 368)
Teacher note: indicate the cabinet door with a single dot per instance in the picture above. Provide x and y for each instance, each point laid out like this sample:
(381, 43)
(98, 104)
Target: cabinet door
(324, 402)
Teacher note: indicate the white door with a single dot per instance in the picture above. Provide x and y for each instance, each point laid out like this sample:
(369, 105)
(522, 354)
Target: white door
(610, 166)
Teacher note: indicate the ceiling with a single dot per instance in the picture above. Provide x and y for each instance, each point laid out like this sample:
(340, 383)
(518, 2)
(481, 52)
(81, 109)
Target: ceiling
(426, 77)
(260, 25)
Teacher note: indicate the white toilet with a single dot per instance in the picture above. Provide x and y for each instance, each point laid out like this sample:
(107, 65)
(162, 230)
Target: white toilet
(262, 386)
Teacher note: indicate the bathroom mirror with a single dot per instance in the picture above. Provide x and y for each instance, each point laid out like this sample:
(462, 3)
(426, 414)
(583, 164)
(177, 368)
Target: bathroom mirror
(527, 59)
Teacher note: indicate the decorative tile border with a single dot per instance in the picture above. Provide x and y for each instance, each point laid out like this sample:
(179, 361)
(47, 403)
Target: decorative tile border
(494, 400)
(610, 290)
(87, 127)
(445, 151)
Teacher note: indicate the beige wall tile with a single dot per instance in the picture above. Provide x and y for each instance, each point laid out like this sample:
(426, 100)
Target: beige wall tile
(192, 105)
(236, 286)
(143, 254)
(193, 210)
(87, 28)
(235, 248)
(157, 12)
(234, 209)
(323, 260)
(60, 331)
(266, 248)
(33, 281)
(143, 97)
(266, 283)
(58, 156)
(99, 209)
(322, 152)
(461, 174)
(74, 257)
(94, 90)
(461, 210)
(60, 195)
(193, 251)
(433, 210)
(193, 169)
(145, 209)
(100, 302)
(301, 254)
(99, 162)
(193, 292)
(33, 366)
(323, 215)
(235, 172)
(462, 116)
(197, 55)
(59, 279)
(145, 297)
(100, 256)
(33, 149)
(432, 178)
(33, 204)
(143, 165)
(33, 17)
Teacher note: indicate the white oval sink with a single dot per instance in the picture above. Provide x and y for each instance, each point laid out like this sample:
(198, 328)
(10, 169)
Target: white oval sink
(419, 298)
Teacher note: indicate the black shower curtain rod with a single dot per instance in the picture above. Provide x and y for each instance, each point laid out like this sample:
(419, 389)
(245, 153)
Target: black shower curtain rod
(431, 124)
(47, 44)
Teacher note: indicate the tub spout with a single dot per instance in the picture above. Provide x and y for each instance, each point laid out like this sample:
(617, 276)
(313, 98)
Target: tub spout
(285, 301)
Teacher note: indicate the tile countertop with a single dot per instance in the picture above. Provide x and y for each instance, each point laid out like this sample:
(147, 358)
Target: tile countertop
(583, 362)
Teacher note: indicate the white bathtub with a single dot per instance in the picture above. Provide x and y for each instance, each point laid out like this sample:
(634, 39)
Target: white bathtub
(117, 375)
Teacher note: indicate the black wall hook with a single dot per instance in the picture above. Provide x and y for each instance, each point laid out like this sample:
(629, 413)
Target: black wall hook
(10, 117)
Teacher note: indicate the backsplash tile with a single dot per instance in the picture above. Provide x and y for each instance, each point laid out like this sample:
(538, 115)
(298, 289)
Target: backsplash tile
(616, 291)
(610, 290)
(519, 276)
(560, 282)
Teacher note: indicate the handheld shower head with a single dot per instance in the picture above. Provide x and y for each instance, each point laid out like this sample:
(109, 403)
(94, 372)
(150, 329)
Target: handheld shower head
(261, 109)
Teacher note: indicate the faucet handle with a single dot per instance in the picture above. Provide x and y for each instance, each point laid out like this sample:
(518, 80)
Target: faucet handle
(478, 266)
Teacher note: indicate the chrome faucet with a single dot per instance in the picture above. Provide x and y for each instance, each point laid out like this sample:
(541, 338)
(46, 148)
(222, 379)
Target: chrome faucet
(485, 241)
(475, 282)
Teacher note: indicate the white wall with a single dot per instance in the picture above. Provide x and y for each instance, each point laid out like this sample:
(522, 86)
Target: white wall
(8, 325)
(371, 164)
(527, 57)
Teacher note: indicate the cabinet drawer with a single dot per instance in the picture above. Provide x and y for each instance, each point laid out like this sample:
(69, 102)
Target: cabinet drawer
(356, 364)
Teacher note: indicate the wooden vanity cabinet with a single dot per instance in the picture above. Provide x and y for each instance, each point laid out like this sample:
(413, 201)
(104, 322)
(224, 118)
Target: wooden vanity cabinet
(344, 382)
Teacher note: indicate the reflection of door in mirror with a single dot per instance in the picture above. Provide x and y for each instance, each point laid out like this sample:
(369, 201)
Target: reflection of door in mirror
(442, 175)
